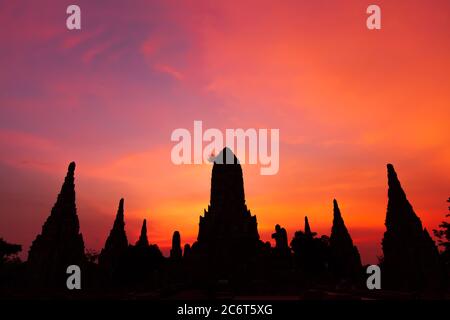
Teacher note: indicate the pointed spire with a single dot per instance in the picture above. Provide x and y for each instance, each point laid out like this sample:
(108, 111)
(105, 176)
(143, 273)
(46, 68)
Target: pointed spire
(60, 242)
(399, 209)
(66, 196)
(395, 188)
(71, 169)
(226, 156)
(339, 228)
(345, 258)
(117, 241)
(338, 222)
(404, 230)
(118, 228)
(336, 211)
(307, 228)
(143, 240)
(120, 219)
(392, 175)
(227, 184)
(227, 231)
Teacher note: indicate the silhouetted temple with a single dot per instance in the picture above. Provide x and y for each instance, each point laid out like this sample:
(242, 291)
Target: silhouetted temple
(60, 243)
(280, 237)
(411, 260)
(308, 232)
(187, 251)
(143, 240)
(141, 263)
(116, 243)
(228, 233)
(176, 252)
(311, 254)
(228, 257)
(345, 261)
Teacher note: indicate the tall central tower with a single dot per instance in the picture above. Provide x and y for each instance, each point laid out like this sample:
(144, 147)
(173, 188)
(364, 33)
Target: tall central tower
(228, 233)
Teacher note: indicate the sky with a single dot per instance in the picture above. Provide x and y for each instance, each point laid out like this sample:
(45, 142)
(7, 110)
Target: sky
(347, 101)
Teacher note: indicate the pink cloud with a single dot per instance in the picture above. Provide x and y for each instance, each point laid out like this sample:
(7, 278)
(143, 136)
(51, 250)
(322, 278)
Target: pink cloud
(169, 70)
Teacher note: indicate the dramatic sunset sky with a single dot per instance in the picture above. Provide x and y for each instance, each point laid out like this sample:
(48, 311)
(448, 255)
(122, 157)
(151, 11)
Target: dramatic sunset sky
(347, 101)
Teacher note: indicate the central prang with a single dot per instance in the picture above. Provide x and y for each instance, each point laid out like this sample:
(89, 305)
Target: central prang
(227, 231)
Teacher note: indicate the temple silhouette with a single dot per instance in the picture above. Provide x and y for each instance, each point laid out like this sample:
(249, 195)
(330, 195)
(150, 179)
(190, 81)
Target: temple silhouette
(116, 244)
(345, 261)
(228, 258)
(228, 235)
(411, 258)
(60, 243)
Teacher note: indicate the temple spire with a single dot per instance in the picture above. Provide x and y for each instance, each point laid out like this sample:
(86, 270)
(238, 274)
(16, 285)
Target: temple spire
(308, 232)
(175, 251)
(227, 184)
(66, 196)
(417, 267)
(337, 216)
(116, 243)
(399, 210)
(143, 240)
(119, 216)
(345, 259)
(60, 243)
(228, 232)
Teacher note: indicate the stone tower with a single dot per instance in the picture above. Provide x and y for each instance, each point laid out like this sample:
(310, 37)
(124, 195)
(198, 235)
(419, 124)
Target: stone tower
(227, 232)
(116, 243)
(176, 252)
(345, 261)
(411, 260)
(60, 243)
(143, 240)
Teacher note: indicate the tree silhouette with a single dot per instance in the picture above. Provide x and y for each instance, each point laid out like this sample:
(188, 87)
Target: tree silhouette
(443, 236)
(11, 267)
(8, 249)
(443, 233)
